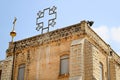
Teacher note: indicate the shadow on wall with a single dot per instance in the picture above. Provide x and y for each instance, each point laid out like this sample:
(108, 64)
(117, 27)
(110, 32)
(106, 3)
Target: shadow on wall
(94, 78)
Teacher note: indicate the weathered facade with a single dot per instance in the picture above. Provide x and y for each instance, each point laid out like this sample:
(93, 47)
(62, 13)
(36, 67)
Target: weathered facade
(72, 53)
(6, 68)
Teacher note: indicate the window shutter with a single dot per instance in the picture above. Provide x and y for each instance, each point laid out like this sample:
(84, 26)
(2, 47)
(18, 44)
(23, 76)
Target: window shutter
(64, 65)
(21, 72)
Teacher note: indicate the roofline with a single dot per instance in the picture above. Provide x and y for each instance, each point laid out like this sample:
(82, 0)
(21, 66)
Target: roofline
(46, 33)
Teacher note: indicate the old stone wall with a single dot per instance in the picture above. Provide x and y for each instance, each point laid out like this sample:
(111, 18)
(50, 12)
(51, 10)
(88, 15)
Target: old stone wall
(7, 68)
(41, 55)
(101, 54)
(43, 62)
(99, 58)
(1, 64)
(117, 69)
(88, 62)
(77, 60)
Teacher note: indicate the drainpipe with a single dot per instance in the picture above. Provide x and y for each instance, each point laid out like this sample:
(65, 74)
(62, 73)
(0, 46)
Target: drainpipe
(12, 75)
(13, 34)
(109, 57)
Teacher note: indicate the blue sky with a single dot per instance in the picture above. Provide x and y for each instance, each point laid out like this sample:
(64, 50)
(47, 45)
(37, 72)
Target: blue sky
(104, 13)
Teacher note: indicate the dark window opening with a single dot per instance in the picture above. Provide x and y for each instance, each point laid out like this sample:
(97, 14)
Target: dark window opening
(0, 74)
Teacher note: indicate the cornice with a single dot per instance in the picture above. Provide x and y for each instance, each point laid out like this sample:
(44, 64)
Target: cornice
(47, 37)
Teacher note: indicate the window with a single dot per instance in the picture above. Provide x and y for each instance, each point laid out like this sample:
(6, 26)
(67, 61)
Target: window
(0, 74)
(21, 72)
(101, 71)
(64, 65)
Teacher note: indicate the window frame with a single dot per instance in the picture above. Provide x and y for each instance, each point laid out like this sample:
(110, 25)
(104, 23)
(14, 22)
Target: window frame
(20, 67)
(64, 57)
(101, 70)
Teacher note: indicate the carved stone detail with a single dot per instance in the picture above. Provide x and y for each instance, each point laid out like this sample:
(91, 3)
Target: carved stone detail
(47, 37)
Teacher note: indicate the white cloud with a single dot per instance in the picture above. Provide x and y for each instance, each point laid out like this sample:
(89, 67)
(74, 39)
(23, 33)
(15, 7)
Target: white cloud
(109, 35)
(115, 34)
(103, 32)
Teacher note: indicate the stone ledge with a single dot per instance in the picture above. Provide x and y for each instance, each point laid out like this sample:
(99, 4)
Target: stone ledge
(48, 37)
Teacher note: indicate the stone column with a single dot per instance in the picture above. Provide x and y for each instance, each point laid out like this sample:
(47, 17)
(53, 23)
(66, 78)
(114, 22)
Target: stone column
(88, 61)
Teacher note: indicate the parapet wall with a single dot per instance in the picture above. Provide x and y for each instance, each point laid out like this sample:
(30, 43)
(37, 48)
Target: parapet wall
(6, 67)
(47, 37)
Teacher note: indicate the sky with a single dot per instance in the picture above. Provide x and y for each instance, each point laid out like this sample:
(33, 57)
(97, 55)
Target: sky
(104, 13)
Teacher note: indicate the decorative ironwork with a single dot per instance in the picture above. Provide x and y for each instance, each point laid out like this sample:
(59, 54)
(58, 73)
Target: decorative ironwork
(51, 22)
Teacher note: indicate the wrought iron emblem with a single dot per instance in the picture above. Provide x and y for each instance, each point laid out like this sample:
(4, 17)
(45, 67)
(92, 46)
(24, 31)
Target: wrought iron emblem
(50, 22)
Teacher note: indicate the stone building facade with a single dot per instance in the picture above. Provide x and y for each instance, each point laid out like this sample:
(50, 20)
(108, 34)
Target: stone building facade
(75, 52)
(6, 68)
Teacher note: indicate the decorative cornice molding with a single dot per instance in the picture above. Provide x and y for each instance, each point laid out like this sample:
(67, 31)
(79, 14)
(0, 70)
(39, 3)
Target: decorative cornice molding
(48, 37)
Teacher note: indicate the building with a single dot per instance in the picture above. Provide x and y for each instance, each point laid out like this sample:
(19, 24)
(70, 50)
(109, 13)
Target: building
(75, 52)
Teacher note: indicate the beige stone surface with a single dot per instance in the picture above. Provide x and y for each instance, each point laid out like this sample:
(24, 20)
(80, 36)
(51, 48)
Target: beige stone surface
(6, 67)
(41, 55)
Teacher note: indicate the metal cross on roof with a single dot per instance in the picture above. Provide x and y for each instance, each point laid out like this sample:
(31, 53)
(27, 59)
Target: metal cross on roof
(49, 16)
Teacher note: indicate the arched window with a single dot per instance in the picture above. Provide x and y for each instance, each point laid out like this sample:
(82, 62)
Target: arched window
(0, 74)
(64, 64)
(21, 71)
(101, 71)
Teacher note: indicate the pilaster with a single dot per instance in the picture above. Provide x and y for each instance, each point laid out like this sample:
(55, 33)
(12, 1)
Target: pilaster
(77, 60)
